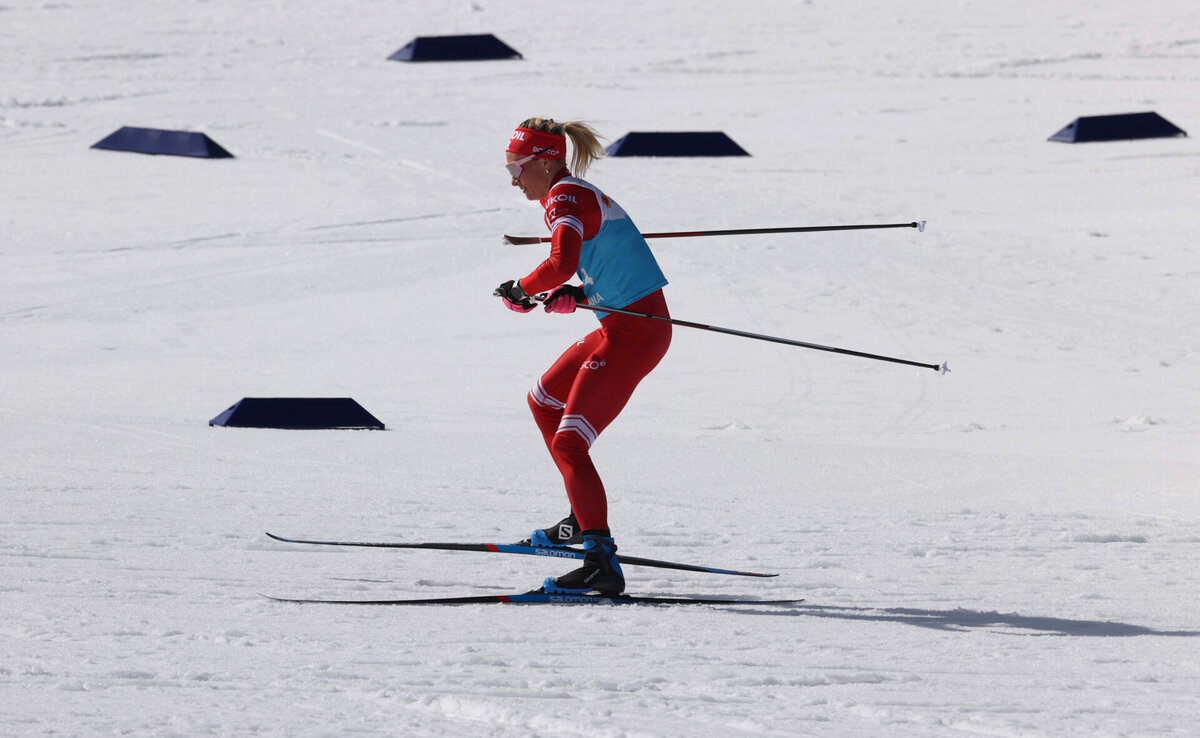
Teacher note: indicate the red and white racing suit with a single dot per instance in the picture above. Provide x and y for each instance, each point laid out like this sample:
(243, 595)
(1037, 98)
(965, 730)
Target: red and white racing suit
(585, 390)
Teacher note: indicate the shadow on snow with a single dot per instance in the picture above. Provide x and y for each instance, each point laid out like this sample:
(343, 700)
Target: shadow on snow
(961, 620)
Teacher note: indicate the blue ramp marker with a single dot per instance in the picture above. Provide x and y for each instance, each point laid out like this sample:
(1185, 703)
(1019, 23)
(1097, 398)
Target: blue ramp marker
(164, 143)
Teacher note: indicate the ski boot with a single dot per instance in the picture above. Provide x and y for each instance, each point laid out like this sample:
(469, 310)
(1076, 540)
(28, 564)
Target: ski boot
(601, 570)
(563, 533)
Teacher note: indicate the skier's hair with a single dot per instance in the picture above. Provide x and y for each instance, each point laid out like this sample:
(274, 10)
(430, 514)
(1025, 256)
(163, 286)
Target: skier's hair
(585, 141)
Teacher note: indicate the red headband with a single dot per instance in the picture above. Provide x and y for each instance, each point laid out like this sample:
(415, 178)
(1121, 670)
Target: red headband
(526, 141)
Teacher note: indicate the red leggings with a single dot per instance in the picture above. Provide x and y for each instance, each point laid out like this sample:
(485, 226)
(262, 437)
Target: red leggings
(587, 388)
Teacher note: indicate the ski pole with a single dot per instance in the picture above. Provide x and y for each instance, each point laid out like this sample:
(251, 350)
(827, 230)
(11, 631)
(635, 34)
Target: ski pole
(941, 368)
(919, 225)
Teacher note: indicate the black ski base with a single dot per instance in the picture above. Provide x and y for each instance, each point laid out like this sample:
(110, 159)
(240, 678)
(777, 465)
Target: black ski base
(539, 597)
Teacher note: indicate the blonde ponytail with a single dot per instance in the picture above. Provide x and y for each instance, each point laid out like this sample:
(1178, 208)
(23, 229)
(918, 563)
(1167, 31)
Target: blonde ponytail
(585, 141)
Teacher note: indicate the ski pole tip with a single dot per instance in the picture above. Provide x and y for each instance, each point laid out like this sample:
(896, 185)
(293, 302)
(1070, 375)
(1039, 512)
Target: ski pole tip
(944, 368)
(920, 226)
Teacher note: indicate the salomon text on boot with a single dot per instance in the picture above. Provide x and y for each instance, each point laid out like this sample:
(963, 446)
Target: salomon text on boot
(601, 570)
(563, 533)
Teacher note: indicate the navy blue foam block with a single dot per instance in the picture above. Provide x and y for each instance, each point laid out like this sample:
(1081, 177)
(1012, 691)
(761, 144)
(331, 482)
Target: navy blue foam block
(297, 413)
(168, 143)
(686, 143)
(455, 48)
(1124, 127)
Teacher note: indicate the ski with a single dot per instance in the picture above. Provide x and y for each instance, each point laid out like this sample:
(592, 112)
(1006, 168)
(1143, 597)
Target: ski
(517, 548)
(538, 597)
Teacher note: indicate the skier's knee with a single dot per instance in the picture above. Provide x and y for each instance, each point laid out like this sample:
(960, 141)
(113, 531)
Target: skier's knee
(569, 444)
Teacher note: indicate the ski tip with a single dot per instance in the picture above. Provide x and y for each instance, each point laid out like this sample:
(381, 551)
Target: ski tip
(508, 240)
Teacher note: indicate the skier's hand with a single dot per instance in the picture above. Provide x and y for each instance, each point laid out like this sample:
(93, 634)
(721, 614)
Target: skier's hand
(563, 299)
(514, 297)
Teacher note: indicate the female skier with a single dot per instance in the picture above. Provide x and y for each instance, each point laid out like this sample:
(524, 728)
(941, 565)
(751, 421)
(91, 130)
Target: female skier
(587, 387)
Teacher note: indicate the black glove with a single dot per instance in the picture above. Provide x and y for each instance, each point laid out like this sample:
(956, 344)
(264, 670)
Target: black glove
(514, 297)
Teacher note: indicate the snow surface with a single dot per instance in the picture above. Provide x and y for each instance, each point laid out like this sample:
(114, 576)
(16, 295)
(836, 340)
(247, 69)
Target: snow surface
(1010, 549)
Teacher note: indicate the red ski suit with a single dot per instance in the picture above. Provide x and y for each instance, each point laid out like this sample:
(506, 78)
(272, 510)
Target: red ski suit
(585, 390)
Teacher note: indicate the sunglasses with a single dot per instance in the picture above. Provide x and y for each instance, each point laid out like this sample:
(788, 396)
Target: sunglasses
(514, 167)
